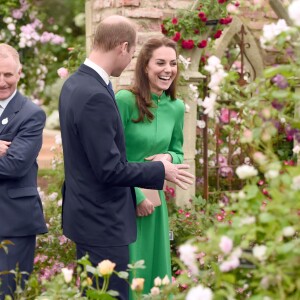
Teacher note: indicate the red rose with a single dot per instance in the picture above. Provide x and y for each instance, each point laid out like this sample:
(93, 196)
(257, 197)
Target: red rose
(163, 29)
(187, 44)
(202, 44)
(225, 21)
(174, 21)
(196, 31)
(218, 34)
(176, 37)
(201, 15)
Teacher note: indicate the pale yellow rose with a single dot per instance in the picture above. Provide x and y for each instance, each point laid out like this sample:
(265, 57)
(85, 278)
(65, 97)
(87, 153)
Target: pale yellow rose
(137, 284)
(106, 267)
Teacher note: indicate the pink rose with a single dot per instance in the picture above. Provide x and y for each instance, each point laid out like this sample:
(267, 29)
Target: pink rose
(226, 244)
(63, 72)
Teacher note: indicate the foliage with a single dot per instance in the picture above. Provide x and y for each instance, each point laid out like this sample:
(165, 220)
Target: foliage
(189, 27)
(42, 41)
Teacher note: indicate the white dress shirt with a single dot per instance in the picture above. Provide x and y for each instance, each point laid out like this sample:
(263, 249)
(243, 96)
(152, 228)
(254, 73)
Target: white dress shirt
(98, 69)
(3, 103)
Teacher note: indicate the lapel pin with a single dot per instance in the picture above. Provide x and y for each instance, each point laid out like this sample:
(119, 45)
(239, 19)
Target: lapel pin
(4, 121)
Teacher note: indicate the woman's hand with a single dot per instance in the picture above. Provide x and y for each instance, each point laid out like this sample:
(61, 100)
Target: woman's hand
(145, 208)
(160, 157)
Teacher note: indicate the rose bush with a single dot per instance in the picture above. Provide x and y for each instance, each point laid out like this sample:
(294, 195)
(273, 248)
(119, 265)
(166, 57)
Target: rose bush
(189, 27)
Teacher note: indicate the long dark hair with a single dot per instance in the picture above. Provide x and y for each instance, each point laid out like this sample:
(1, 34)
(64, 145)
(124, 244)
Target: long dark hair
(141, 85)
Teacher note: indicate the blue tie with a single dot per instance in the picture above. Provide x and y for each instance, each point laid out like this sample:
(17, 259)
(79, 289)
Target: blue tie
(110, 88)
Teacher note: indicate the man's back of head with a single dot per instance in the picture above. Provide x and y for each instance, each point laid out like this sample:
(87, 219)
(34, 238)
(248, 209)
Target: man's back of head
(113, 31)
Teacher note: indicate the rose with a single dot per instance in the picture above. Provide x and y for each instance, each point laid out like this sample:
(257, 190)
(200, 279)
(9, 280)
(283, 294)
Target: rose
(68, 273)
(202, 44)
(155, 291)
(63, 72)
(260, 252)
(199, 293)
(226, 244)
(187, 255)
(246, 171)
(165, 280)
(106, 267)
(288, 231)
(294, 12)
(157, 281)
(137, 284)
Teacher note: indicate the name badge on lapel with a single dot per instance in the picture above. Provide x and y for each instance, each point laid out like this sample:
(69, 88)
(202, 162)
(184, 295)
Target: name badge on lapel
(4, 121)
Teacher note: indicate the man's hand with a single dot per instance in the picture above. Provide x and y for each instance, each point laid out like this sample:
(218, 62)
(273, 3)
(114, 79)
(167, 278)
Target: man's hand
(4, 145)
(177, 175)
(161, 156)
(145, 208)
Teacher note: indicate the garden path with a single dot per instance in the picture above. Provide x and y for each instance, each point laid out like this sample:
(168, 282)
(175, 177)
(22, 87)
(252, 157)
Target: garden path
(46, 155)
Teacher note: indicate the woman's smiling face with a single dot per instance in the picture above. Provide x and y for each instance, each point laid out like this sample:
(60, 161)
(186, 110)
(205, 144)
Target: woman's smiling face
(162, 69)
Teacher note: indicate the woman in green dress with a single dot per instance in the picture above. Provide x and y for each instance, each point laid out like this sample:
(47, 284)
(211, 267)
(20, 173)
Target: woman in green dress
(153, 125)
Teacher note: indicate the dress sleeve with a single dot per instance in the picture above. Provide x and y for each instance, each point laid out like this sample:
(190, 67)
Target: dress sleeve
(126, 101)
(176, 144)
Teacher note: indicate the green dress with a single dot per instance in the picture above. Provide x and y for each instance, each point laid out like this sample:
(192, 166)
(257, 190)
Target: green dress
(164, 134)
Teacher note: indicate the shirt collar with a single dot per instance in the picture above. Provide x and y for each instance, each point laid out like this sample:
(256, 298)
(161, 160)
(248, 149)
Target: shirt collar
(6, 101)
(98, 69)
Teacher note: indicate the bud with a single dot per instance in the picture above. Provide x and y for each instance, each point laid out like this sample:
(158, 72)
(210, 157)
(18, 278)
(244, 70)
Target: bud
(157, 281)
(165, 280)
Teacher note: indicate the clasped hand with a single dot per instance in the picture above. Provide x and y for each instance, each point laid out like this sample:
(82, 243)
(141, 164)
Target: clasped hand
(4, 145)
(174, 173)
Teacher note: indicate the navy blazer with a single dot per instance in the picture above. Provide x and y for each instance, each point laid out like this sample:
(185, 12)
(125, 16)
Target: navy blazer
(98, 194)
(21, 212)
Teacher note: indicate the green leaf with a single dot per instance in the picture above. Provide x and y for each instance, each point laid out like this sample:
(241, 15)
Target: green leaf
(280, 94)
(266, 218)
(123, 274)
(285, 248)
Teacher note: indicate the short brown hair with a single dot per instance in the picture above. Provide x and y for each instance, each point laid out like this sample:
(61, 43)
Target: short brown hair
(7, 50)
(114, 31)
(141, 86)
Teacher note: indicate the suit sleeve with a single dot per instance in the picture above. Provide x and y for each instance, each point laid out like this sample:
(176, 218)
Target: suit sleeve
(99, 138)
(176, 144)
(24, 148)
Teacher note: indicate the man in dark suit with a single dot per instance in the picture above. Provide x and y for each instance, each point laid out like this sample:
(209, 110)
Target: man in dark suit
(21, 213)
(98, 195)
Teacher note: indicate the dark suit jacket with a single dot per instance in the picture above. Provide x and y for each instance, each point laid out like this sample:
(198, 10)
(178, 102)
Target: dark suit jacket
(98, 204)
(21, 212)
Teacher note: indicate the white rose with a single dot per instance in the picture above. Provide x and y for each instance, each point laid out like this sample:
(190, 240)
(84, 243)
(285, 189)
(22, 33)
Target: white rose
(260, 252)
(199, 293)
(294, 12)
(68, 273)
(246, 171)
(271, 174)
(288, 231)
